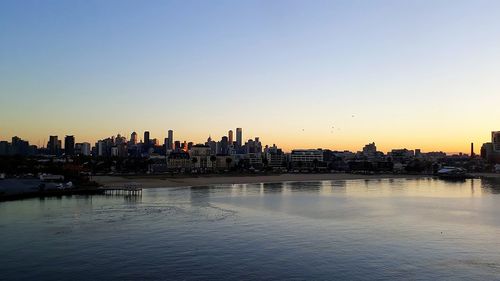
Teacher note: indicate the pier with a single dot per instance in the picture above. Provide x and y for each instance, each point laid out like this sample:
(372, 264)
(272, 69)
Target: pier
(129, 189)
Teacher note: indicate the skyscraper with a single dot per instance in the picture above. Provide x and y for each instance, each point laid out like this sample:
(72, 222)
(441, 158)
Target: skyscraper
(133, 138)
(147, 140)
(239, 137)
(230, 135)
(69, 145)
(54, 145)
(170, 144)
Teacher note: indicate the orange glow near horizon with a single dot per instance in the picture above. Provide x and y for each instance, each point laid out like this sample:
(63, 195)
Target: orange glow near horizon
(334, 140)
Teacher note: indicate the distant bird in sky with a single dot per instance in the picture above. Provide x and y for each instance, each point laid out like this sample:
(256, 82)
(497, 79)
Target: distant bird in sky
(352, 115)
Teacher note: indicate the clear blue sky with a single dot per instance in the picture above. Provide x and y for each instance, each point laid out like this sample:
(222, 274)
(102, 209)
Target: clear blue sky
(415, 74)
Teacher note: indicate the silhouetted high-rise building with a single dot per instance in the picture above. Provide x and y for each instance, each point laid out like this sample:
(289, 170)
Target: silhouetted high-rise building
(82, 149)
(177, 145)
(133, 138)
(170, 144)
(4, 148)
(230, 135)
(239, 137)
(223, 148)
(212, 144)
(147, 140)
(20, 147)
(370, 149)
(69, 145)
(54, 145)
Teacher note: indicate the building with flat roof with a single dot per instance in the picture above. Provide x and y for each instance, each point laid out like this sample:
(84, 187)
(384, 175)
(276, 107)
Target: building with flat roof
(69, 145)
(306, 157)
(239, 137)
(495, 140)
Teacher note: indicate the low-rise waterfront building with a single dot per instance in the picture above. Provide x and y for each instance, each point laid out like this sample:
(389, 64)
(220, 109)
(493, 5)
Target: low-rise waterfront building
(306, 158)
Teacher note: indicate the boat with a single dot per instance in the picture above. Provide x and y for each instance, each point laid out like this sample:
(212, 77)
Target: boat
(453, 173)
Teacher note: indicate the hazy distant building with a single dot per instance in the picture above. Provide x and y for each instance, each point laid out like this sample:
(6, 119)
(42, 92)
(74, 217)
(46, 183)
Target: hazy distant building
(306, 157)
(147, 140)
(54, 145)
(155, 142)
(253, 146)
(401, 155)
(4, 148)
(230, 136)
(239, 137)
(275, 156)
(212, 144)
(370, 148)
(170, 144)
(133, 138)
(223, 146)
(495, 141)
(69, 145)
(82, 149)
(165, 145)
(20, 147)
(418, 152)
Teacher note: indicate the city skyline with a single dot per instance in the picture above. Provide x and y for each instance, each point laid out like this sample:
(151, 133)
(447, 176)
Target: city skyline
(171, 138)
(331, 74)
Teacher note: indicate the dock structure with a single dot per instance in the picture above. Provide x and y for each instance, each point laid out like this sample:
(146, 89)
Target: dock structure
(128, 189)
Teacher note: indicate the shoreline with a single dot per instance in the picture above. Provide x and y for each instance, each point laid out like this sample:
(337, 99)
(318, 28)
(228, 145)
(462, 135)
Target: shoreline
(171, 182)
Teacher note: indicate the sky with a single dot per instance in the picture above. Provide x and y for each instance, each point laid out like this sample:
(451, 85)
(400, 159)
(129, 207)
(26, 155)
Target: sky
(301, 74)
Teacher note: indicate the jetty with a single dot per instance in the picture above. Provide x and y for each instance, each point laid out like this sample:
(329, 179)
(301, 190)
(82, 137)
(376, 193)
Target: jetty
(127, 189)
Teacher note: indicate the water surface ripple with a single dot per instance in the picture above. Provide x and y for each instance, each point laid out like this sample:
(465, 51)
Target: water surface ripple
(406, 229)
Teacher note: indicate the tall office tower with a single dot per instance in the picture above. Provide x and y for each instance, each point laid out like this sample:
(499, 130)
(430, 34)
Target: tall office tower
(258, 145)
(230, 135)
(133, 138)
(495, 141)
(472, 154)
(239, 137)
(170, 139)
(54, 145)
(147, 140)
(177, 145)
(69, 145)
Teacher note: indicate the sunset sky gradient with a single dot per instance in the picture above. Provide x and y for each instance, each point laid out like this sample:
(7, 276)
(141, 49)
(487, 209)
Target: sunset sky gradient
(414, 74)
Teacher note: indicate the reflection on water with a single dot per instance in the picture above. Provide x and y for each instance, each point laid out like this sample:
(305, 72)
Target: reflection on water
(354, 230)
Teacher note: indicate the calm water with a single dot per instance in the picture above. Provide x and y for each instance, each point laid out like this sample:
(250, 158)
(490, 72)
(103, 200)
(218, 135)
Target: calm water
(419, 229)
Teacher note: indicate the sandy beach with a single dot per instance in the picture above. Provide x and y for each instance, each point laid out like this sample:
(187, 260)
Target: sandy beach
(168, 181)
